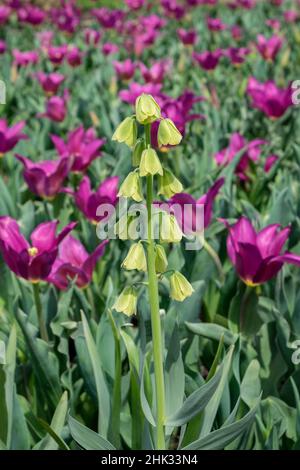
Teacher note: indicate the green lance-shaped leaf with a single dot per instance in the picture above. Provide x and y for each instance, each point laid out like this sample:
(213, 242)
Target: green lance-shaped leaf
(86, 438)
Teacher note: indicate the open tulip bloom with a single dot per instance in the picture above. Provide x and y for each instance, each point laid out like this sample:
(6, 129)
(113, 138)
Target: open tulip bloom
(10, 136)
(258, 256)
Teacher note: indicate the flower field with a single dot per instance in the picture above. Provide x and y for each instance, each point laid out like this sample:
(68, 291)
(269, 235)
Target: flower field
(150, 225)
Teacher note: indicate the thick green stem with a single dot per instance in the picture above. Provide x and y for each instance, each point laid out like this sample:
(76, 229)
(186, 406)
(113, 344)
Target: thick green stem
(39, 312)
(155, 318)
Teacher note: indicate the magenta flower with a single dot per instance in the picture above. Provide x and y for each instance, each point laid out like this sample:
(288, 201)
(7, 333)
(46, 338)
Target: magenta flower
(109, 19)
(2, 47)
(236, 32)
(173, 9)
(50, 82)
(188, 210)
(208, 60)
(135, 4)
(92, 37)
(10, 136)
(156, 73)
(269, 48)
(45, 39)
(73, 261)
(270, 161)
(237, 55)
(24, 59)
(67, 17)
(57, 54)
(215, 24)
(236, 144)
(74, 56)
(82, 147)
(135, 89)
(257, 256)
(46, 178)
(4, 14)
(31, 15)
(273, 23)
(188, 37)
(56, 108)
(88, 201)
(109, 48)
(124, 70)
(270, 99)
(291, 16)
(32, 262)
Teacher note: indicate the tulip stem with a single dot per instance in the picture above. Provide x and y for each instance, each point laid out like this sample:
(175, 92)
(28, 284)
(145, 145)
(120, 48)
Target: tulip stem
(216, 260)
(155, 316)
(39, 312)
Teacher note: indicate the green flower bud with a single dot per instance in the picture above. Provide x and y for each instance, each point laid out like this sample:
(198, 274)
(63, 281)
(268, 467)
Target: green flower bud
(137, 152)
(131, 187)
(168, 134)
(126, 132)
(169, 229)
(168, 184)
(180, 288)
(150, 164)
(161, 261)
(136, 258)
(126, 302)
(146, 108)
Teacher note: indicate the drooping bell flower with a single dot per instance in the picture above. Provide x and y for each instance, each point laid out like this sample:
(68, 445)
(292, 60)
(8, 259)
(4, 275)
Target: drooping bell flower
(270, 99)
(24, 59)
(208, 60)
(50, 82)
(73, 261)
(188, 37)
(10, 136)
(110, 48)
(57, 54)
(156, 73)
(88, 201)
(188, 210)
(82, 147)
(31, 14)
(92, 37)
(215, 24)
(74, 56)
(34, 261)
(4, 13)
(56, 107)
(45, 178)
(124, 70)
(2, 47)
(252, 151)
(269, 48)
(237, 55)
(258, 256)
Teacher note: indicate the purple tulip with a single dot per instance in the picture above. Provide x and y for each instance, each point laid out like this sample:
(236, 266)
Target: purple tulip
(73, 261)
(135, 90)
(270, 99)
(269, 48)
(31, 15)
(135, 4)
(46, 178)
(124, 70)
(188, 37)
(215, 24)
(173, 9)
(257, 256)
(88, 201)
(187, 210)
(237, 55)
(67, 17)
(208, 60)
(82, 147)
(109, 19)
(57, 54)
(56, 108)
(45, 39)
(4, 14)
(24, 59)
(273, 23)
(156, 73)
(92, 37)
(10, 136)
(74, 56)
(2, 47)
(50, 82)
(291, 16)
(236, 32)
(32, 262)
(236, 144)
(109, 48)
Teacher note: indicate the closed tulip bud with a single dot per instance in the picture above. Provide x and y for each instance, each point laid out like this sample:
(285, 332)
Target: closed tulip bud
(161, 261)
(137, 152)
(126, 302)
(150, 164)
(168, 184)
(136, 258)
(168, 134)
(180, 288)
(146, 108)
(126, 132)
(131, 187)
(169, 229)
